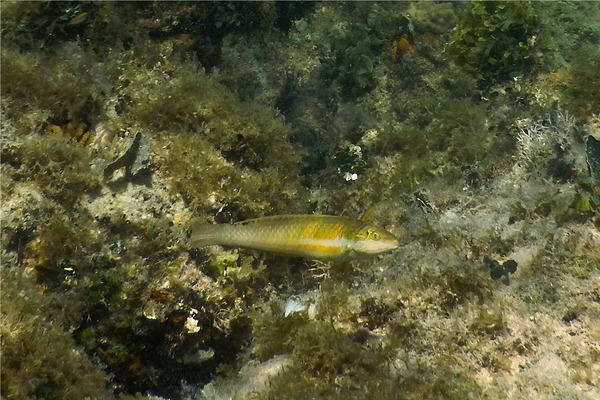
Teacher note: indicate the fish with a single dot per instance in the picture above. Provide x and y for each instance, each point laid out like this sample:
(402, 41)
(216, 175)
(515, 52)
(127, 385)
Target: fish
(317, 237)
(79, 18)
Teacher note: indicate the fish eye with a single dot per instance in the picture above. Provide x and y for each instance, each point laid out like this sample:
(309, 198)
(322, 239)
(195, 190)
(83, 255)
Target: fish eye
(373, 235)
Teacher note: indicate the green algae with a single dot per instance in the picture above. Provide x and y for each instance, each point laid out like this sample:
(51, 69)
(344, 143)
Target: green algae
(40, 358)
(495, 40)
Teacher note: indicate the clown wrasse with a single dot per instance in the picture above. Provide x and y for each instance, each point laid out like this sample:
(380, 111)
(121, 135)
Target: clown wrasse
(320, 237)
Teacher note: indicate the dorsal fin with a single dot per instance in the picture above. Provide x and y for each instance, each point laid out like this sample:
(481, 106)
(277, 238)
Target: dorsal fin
(369, 214)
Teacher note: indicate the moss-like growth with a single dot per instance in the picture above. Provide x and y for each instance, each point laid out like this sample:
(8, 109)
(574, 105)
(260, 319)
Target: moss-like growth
(578, 90)
(332, 357)
(39, 357)
(217, 153)
(59, 167)
(42, 89)
(495, 41)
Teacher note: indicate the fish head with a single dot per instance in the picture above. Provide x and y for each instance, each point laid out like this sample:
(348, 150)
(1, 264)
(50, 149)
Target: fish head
(373, 239)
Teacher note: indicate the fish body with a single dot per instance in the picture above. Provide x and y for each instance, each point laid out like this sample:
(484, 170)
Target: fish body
(320, 237)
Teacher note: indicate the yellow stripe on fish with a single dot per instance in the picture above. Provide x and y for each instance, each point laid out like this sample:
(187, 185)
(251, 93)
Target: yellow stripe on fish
(320, 237)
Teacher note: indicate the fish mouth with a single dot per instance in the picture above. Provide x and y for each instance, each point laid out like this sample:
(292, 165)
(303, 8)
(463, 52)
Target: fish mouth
(379, 248)
(393, 246)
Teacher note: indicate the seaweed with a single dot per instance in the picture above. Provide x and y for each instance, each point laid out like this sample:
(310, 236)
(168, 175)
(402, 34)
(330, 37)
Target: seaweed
(494, 41)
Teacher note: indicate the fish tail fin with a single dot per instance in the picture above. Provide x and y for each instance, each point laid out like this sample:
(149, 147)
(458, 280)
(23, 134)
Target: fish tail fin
(204, 234)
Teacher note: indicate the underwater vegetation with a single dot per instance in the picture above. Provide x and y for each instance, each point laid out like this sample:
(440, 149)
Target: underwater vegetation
(468, 130)
(496, 41)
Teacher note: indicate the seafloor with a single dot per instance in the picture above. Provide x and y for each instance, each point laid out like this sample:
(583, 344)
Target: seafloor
(469, 130)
